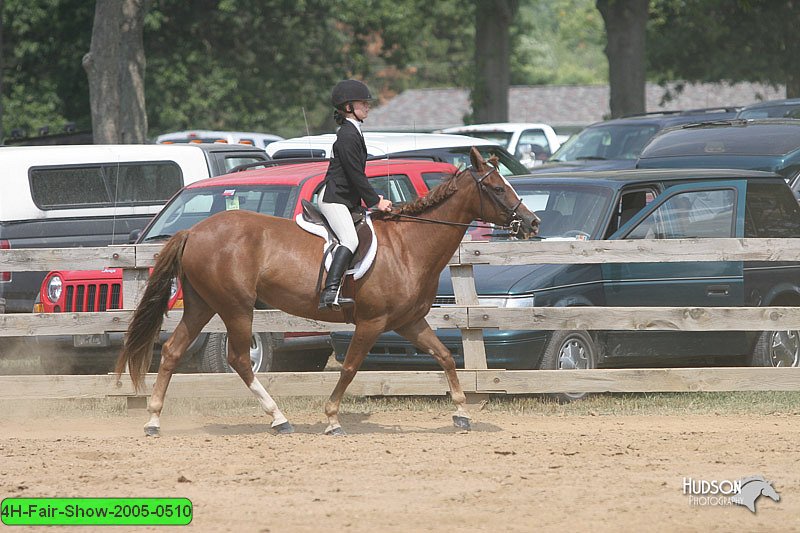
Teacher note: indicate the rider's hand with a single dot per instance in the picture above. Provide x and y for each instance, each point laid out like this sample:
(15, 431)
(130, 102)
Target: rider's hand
(384, 204)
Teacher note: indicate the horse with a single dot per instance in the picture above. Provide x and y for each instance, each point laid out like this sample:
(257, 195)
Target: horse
(232, 259)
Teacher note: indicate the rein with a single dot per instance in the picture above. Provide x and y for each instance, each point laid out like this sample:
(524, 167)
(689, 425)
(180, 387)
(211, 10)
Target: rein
(513, 224)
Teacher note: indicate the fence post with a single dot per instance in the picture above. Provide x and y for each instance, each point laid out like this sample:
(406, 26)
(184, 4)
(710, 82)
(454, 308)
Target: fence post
(465, 293)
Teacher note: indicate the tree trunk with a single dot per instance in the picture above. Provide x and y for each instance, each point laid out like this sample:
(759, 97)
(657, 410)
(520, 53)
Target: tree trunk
(492, 52)
(792, 85)
(626, 22)
(2, 68)
(115, 67)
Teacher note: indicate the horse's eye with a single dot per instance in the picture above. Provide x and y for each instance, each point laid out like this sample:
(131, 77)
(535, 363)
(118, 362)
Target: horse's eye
(499, 188)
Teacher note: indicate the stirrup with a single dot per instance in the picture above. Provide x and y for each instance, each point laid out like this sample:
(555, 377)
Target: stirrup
(338, 301)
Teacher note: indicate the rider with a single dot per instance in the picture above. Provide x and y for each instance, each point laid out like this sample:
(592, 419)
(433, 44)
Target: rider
(346, 184)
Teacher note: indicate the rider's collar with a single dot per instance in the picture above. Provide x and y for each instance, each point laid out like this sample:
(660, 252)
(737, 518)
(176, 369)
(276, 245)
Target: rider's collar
(357, 124)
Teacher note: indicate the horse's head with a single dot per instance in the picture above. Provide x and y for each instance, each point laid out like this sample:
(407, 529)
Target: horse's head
(499, 202)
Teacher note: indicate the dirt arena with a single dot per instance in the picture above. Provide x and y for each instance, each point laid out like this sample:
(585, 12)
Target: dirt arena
(403, 467)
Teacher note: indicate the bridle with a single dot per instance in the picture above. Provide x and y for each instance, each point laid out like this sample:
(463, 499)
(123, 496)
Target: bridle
(513, 222)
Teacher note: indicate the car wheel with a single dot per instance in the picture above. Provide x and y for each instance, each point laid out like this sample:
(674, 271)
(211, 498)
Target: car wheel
(214, 357)
(568, 350)
(777, 348)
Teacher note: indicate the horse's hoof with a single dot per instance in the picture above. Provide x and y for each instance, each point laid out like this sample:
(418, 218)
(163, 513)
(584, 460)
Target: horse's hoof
(284, 429)
(335, 432)
(152, 431)
(461, 422)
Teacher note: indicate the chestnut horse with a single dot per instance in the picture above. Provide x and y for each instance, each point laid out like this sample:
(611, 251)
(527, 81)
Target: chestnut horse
(228, 261)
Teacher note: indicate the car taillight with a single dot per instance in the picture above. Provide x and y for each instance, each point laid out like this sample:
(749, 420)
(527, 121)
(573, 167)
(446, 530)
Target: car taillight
(5, 245)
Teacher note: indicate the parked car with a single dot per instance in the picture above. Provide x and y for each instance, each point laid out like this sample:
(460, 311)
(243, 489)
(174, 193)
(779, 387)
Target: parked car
(93, 195)
(453, 149)
(632, 204)
(276, 191)
(261, 140)
(771, 145)
(616, 144)
(786, 108)
(531, 143)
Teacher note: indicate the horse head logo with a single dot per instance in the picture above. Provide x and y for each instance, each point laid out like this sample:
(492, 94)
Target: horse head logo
(752, 488)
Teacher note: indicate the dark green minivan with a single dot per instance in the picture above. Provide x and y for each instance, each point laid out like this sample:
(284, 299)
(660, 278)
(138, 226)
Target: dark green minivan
(634, 204)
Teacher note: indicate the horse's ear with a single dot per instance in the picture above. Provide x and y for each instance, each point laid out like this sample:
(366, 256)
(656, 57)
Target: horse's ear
(477, 159)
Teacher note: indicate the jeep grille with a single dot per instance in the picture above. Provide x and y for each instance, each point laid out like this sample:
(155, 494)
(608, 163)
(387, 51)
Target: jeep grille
(90, 297)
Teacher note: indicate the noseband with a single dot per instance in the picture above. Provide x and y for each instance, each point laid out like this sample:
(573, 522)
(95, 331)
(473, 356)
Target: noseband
(514, 221)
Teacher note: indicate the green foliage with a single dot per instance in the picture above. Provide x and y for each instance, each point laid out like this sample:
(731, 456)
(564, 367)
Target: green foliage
(558, 43)
(269, 65)
(712, 40)
(44, 83)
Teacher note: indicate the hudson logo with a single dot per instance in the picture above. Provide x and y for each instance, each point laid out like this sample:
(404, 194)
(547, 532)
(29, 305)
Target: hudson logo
(745, 491)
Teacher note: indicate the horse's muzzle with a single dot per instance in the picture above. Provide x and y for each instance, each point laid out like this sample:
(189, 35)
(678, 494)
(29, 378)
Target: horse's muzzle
(528, 225)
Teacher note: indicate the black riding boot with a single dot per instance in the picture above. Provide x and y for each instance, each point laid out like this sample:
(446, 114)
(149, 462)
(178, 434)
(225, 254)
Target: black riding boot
(341, 260)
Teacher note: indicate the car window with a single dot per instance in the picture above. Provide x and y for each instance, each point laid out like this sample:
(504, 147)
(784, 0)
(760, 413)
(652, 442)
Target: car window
(235, 161)
(611, 141)
(193, 205)
(709, 213)
(432, 179)
(105, 185)
(396, 187)
(459, 157)
(532, 144)
(771, 212)
(500, 137)
(631, 202)
(778, 111)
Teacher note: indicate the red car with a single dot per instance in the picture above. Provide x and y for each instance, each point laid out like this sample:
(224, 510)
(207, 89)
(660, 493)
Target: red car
(275, 190)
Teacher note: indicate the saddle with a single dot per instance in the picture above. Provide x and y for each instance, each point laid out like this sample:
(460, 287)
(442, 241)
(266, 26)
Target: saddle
(311, 220)
(312, 215)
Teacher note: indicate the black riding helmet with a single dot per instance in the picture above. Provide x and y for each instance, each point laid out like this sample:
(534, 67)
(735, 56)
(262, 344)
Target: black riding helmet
(347, 91)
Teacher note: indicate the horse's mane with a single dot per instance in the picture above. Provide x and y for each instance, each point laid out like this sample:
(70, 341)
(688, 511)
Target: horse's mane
(434, 197)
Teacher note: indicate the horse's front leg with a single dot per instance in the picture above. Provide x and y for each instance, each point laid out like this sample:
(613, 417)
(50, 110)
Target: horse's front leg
(363, 339)
(422, 336)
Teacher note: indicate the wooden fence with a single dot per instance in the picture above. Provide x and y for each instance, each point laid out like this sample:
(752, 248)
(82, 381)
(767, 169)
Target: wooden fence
(466, 315)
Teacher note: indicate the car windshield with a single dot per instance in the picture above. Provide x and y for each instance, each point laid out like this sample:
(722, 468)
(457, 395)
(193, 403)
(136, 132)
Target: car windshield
(567, 211)
(193, 205)
(610, 141)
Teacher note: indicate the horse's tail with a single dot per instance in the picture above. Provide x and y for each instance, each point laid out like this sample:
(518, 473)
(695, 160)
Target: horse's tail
(137, 353)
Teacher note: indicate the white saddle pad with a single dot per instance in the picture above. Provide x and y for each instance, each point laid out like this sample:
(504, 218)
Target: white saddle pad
(360, 268)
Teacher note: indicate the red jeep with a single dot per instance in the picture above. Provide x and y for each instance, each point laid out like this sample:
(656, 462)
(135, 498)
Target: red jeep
(275, 190)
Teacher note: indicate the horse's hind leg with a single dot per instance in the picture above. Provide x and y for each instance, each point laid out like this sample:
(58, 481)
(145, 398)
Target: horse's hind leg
(239, 335)
(196, 314)
(422, 336)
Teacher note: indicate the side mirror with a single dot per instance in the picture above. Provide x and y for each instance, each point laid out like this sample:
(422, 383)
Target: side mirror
(134, 236)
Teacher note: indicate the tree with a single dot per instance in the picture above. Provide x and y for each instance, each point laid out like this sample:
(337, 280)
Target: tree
(489, 94)
(722, 40)
(115, 66)
(626, 23)
(43, 82)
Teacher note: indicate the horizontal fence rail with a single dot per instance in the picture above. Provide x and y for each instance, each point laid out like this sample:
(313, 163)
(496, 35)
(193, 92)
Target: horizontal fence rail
(411, 383)
(467, 315)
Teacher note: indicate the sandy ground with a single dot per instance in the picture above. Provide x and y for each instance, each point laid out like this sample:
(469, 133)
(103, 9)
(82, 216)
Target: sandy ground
(409, 470)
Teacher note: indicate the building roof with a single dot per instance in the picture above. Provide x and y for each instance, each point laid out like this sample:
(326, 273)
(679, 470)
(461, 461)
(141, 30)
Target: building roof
(565, 106)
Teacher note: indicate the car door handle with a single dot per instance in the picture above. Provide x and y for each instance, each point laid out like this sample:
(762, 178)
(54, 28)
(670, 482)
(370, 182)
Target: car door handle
(718, 290)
